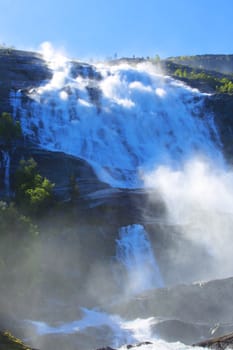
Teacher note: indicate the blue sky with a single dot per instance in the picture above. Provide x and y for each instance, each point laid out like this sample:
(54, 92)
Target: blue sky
(100, 28)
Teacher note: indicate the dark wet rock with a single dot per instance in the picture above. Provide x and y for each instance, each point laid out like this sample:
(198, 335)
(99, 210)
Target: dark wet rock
(69, 174)
(221, 106)
(219, 343)
(84, 70)
(185, 313)
(210, 302)
(20, 70)
(62, 169)
(95, 95)
(130, 346)
(176, 330)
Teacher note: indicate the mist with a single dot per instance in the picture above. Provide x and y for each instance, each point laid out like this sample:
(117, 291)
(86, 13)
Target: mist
(199, 203)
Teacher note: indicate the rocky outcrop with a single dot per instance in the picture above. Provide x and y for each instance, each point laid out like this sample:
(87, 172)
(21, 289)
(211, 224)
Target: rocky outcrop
(73, 177)
(201, 304)
(219, 343)
(76, 180)
(187, 333)
(20, 70)
(221, 106)
(9, 342)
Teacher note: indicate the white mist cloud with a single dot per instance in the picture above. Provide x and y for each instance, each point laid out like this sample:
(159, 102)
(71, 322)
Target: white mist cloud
(199, 200)
(59, 63)
(47, 50)
(50, 52)
(55, 57)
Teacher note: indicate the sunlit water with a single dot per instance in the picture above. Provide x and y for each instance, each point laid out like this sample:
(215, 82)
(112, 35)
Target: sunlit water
(123, 119)
(123, 331)
(135, 253)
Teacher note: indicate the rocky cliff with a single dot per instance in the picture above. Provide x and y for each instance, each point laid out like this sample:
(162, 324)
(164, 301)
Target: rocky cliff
(20, 70)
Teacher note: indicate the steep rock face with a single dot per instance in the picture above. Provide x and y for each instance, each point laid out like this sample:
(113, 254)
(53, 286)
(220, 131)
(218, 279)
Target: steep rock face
(209, 302)
(222, 108)
(184, 312)
(66, 172)
(20, 70)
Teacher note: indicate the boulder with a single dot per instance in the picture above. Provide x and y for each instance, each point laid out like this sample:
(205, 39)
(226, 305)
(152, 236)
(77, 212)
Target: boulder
(210, 303)
(219, 343)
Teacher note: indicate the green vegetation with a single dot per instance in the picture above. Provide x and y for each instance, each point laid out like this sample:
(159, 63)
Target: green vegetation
(224, 85)
(9, 342)
(9, 129)
(33, 191)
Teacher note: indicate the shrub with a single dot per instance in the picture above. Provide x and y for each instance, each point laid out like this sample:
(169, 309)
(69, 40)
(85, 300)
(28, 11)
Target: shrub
(9, 129)
(33, 191)
(226, 86)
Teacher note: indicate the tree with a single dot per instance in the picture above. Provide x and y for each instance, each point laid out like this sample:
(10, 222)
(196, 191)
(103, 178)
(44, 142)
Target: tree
(33, 191)
(9, 129)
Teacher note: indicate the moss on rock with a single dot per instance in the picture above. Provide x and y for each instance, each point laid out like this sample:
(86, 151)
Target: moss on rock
(9, 342)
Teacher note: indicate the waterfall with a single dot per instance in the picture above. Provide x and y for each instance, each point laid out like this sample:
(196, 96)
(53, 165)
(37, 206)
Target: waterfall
(134, 253)
(123, 119)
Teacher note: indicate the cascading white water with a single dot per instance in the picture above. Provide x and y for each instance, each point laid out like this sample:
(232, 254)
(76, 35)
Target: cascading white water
(123, 119)
(135, 253)
(124, 332)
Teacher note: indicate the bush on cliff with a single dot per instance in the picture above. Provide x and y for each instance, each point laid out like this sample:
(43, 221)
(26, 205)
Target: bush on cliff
(226, 86)
(9, 342)
(9, 129)
(33, 192)
(223, 85)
